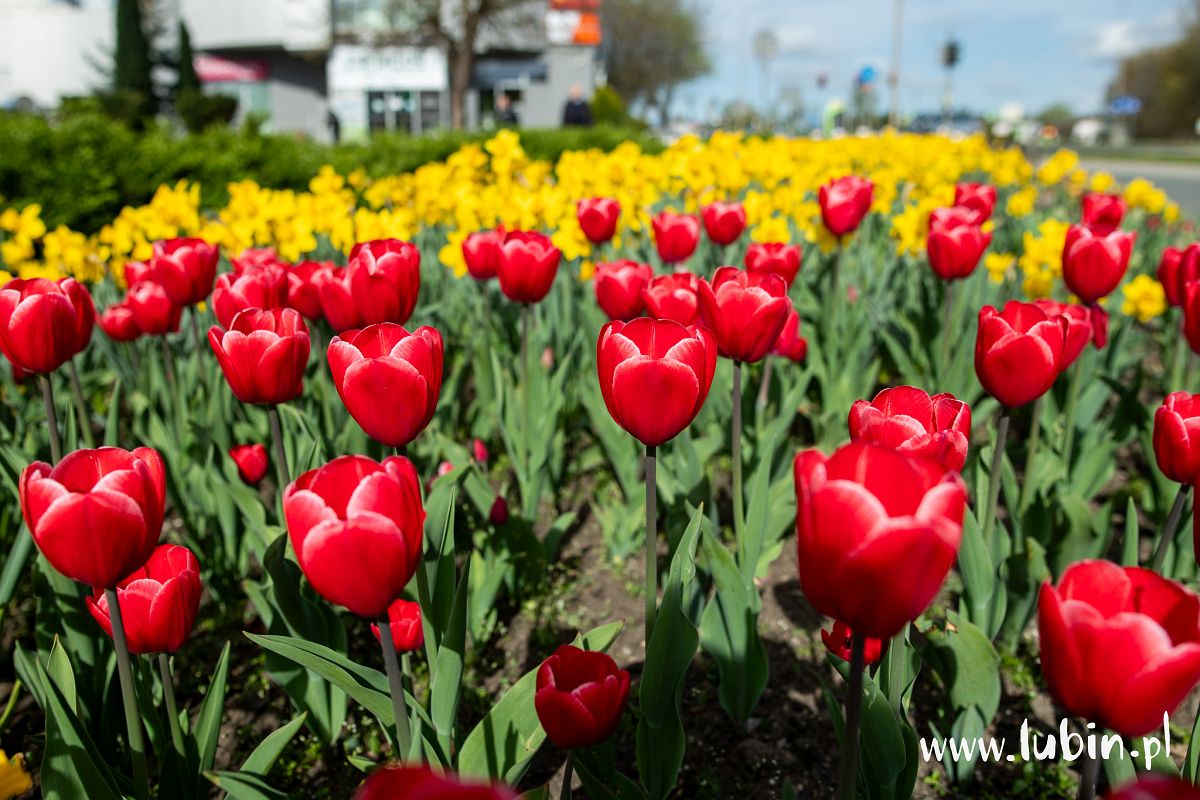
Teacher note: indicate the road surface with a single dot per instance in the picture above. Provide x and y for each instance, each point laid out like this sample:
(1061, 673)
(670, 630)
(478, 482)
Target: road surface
(1180, 180)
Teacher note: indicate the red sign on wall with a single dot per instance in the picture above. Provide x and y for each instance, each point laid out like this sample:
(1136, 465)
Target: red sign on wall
(215, 69)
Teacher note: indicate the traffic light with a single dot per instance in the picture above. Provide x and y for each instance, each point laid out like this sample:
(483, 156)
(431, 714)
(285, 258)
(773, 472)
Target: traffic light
(950, 54)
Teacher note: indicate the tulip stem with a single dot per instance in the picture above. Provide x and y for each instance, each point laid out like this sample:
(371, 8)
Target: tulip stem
(1089, 773)
(848, 778)
(1035, 438)
(164, 668)
(897, 656)
(396, 684)
(525, 394)
(197, 342)
(739, 519)
(406, 685)
(1069, 412)
(764, 391)
(651, 542)
(169, 365)
(81, 412)
(947, 317)
(51, 421)
(1172, 524)
(281, 464)
(835, 303)
(568, 772)
(993, 498)
(133, 721)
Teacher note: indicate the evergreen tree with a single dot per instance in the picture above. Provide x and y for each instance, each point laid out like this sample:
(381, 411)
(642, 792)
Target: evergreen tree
(132, 68)
(188, 80)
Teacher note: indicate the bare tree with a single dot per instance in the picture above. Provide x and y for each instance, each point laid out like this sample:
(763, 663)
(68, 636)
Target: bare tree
(652, 47)
(460, 26)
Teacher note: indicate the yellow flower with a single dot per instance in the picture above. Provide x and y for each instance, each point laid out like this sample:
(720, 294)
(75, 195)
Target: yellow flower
(1038, 283)
(1144, 298)
(1102, 182)
(14, 780)
(999, 265)
(1020, 203)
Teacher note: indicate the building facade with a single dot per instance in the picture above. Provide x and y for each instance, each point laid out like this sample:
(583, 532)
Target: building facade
(326, 69)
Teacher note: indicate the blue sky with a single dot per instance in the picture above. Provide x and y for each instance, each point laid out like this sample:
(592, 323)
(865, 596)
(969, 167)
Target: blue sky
(1031, 52)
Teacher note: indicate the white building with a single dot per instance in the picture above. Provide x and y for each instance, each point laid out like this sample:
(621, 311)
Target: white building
(316, 67)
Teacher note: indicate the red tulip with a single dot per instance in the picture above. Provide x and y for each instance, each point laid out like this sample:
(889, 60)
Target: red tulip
(356, 527)
(619, 288)
(790, 344)
(978, 198)
(118, 323)
(779, 259)
(251, 460)
(388, 379)
(675, 235)
(1177, 269)
(527, 266)
(598, 218)
(404, 618)
(1094, 264)
(844, 203)
(1103, 212)
(673, 297)
(580, 696)
(337, 302)
(152, 308)
(908, 420)
(1080, 322)
(1177, 437)
(96, 516)
(1191, 315)
(253, 258)
(655, 375)
(264, 286)
(385, 279)
(158, 601)
(868, 516)
(498, 513)
(185, 268)
(481, 251)
(263, 354)
(724, 222)
(1019, 352)
(838, 642)
(479, 451)
(419, 782)
(1156, 786)
(1120, 646)
(955, 244)
(303, 287)
(44, 323)
(745, 311)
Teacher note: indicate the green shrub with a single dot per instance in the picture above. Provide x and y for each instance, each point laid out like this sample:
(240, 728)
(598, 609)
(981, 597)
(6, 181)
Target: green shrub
(200, 111)
(84, 167)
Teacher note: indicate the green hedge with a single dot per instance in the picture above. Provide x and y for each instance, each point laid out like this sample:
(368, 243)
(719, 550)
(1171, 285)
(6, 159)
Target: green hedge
(85, 167)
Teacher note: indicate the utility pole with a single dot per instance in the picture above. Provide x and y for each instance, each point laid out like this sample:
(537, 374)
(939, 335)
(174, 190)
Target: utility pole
(894, 78)
(951, 53)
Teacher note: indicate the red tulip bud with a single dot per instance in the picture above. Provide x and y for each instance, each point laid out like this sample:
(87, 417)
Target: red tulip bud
(44, 323)
(385, 280)
(675, 235)
(251, 460)
(158, 601)
(598, 218)
(838, 642)
(844, 203)
(724, 222)
(909, 421)
(404, 618)
(263, 355)
(580, 697)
